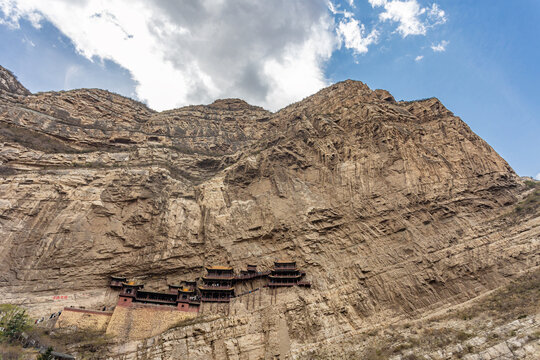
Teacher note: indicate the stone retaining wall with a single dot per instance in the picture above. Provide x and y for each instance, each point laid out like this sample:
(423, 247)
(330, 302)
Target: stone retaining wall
(84, 319)
(144, 321)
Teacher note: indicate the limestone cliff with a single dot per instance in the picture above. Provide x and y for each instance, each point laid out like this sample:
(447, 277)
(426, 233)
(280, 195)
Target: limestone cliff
(394, 209)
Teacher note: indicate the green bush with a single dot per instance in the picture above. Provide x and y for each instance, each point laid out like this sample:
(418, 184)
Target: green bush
(13, 322)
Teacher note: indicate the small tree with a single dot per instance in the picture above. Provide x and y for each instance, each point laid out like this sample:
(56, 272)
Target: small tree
(13, 322)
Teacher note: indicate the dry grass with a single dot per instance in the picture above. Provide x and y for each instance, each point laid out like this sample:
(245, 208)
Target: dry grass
(517, 300)
(10, 352)
(531, 203)
(92, 344)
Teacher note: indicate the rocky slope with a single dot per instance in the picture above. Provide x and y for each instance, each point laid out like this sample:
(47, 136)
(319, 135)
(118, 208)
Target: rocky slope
(394, 209)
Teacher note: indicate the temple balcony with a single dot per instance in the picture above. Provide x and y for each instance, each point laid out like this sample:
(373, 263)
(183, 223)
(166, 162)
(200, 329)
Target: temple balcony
(148, 296)
(219, 277)
(285, 276)
(219, 287)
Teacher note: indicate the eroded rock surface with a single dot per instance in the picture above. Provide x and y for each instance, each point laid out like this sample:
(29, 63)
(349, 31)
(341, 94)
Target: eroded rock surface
(394, 209)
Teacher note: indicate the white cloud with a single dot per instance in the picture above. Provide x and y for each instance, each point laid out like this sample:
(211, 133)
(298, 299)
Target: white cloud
(336, 10)
(188, 52)
(418, 58)
(436, 15)
(537, 177)
(353, 35)
(13, 14)
(440, 47)
(412, 19)
(269, 53)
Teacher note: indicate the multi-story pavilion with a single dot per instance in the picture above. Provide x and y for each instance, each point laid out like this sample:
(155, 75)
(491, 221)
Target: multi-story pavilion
(217, 284)
(284, 274)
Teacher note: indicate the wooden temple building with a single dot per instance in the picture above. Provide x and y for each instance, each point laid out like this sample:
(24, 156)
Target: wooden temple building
(181, 297)
(116, 282)
(218, 285)
(286, 274)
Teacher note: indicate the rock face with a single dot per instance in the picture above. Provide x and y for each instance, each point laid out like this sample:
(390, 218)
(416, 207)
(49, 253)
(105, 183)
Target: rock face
(10, 84)
(394, 209)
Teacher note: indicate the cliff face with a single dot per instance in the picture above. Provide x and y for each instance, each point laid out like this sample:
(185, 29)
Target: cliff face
(9, 84)
(394, 209)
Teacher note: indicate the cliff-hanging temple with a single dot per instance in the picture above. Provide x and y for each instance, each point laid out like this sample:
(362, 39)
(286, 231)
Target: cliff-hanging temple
(218, 286)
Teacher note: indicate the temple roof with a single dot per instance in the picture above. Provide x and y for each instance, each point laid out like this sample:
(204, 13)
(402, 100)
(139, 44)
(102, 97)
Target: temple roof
(118, 278)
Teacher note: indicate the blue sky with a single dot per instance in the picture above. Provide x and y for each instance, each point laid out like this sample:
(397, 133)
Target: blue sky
(480, 58)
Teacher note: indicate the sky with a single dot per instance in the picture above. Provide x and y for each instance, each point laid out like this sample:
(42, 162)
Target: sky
(480, 58)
